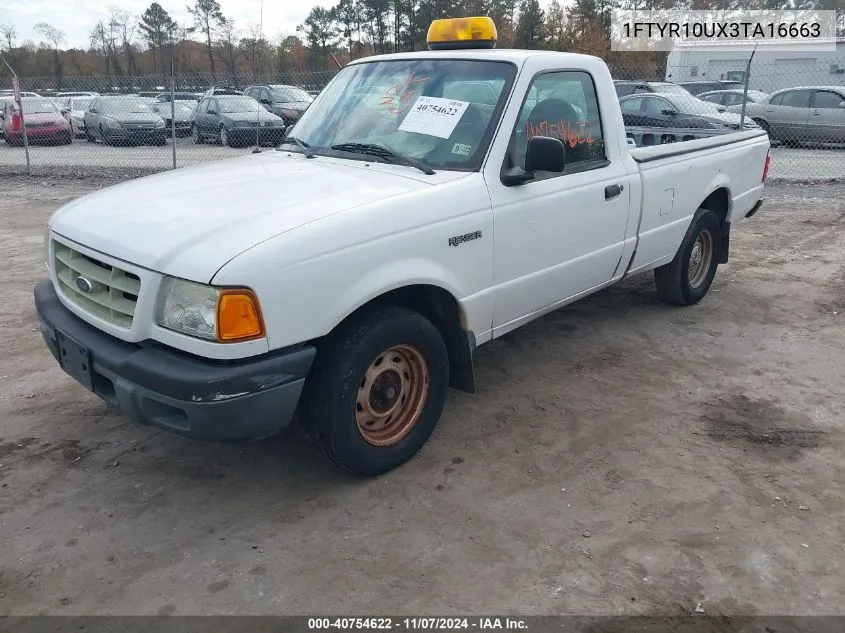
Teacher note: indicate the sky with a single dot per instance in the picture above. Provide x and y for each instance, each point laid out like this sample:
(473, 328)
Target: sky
(76, 18)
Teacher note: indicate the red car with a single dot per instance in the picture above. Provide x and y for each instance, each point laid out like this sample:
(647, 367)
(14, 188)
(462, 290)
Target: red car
(44, 122)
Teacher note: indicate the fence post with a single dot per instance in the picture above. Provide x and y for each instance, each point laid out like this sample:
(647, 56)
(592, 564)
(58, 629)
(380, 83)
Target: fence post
(16, 86)
(173, 112)
(745, 89)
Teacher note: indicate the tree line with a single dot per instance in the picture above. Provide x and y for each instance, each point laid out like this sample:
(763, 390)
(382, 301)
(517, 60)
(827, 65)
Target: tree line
(123, 44)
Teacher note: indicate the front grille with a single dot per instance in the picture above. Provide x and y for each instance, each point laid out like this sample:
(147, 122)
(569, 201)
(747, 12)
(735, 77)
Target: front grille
(114, 292)
(37, 125)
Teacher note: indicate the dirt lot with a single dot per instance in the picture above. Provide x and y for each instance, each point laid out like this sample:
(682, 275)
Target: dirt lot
(622, 457)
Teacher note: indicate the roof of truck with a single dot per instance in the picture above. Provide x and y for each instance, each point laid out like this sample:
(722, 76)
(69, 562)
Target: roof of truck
(494, 54)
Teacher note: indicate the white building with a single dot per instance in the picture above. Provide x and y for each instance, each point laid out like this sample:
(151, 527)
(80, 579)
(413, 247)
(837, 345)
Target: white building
(771, 69)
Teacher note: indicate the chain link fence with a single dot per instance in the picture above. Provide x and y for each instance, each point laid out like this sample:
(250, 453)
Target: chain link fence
(799, 102)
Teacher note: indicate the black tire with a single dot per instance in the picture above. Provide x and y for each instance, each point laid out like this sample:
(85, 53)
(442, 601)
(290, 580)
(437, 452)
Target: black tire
(88, 137)
(103, 136)
(676, 282)
(331, 408)
(224, 138)
(195, 133)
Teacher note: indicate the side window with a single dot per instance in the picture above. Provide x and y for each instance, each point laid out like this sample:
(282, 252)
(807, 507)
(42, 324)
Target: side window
(95, 106)
(732, 99)
(656, 105)
(827, 99)
(797, 99)
(265, 94)
(713, 98)
(634, 104)
(248, 92)
(776, 100)
(566, 109)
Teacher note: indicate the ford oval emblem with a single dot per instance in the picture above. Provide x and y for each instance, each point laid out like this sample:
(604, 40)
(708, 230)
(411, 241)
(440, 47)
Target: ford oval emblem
(83, 284)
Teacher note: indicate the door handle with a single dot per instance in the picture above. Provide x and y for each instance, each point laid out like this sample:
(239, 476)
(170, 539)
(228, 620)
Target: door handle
(611, 191)
(816, 113)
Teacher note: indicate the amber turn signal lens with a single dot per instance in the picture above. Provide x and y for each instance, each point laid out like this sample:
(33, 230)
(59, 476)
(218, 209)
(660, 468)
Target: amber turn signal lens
(238, 316)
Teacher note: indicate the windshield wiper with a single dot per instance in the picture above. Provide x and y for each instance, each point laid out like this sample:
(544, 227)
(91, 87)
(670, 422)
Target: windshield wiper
(300, 144)
(382, 152)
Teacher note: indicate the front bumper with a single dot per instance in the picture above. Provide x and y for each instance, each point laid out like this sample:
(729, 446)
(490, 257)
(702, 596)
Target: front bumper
(265, 134)
(159, 386)
(145, 135)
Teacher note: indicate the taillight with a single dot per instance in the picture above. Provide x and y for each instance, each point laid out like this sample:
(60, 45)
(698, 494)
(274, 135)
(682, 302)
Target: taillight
(16, 122)
(766, 168)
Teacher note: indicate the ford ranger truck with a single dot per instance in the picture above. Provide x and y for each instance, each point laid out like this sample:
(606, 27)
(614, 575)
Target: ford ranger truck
(425, 204)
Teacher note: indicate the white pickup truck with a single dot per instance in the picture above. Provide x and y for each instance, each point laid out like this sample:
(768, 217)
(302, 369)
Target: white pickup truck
(426, 203)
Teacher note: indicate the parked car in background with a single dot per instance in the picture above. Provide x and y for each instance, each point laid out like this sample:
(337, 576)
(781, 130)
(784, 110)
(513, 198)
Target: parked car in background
(74, 108)
(183, 112)
(24, 93)
(123, 120)
(732, 97)
(625, 88)
(164, 97)
(801, 114)
(236, 120)
(288, 102)
(677, 111)
(221, 90)
(43, 120)
(697, 87)
(62, 95)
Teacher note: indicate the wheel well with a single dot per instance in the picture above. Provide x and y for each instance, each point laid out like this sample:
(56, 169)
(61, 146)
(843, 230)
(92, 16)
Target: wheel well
(442, 309)
(718, 202)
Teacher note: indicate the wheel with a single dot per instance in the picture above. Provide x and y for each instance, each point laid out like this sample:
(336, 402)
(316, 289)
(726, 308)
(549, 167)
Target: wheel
(224, 137)
(376, 390)
(687, 278)
(103, 136)
(88, 137)
(195, 132)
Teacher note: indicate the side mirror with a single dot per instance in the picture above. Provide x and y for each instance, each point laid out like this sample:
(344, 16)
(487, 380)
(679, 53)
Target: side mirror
(721, 108)
(668, 112)
(265, 101)
(543, 154)
(211, 111)
(65, 110)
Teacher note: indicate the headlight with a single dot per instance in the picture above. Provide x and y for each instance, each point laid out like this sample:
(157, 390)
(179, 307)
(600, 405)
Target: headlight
(291, 113)
(215, 314)
(160, 123)
(113, 123)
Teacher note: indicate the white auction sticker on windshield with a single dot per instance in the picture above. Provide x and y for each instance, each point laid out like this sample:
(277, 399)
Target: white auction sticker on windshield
(434, 116)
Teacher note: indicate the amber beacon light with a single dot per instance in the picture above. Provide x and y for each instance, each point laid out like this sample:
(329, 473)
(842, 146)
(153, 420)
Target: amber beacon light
(476, 32)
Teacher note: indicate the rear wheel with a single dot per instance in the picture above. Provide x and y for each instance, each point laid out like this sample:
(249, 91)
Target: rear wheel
(687, 278)
(376, 390)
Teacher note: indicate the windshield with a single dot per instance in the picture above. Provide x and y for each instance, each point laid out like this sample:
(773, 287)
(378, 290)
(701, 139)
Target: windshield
(290, 95)
(80, 104)
(440, 112)
(238, 104)
(38, 106)
(181, 106)
(125, 106)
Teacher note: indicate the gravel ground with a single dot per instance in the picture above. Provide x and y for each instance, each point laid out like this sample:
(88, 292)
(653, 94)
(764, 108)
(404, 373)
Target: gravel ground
(81, 158)
(621, 457)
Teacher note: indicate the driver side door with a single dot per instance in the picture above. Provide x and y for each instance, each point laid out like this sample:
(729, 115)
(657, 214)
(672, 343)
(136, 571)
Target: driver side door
(560, 234)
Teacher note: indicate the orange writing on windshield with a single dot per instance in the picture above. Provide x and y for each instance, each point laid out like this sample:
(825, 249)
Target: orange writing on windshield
(571, 135)
(398, 98)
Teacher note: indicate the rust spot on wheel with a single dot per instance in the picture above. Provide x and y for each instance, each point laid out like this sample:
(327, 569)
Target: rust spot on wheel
(391, 395)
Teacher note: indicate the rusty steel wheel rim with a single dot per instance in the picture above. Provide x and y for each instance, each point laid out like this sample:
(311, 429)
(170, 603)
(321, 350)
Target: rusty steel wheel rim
(700, 258)
(391, 395)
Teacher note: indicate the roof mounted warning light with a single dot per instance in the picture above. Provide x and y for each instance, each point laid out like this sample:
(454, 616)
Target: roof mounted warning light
(462, 33)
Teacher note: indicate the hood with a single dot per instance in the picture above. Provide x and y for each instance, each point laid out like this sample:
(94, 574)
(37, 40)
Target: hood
(136, 117)
(302, 106)
(728, 118)
(46, 117)
(262, 115)
(189, 222)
